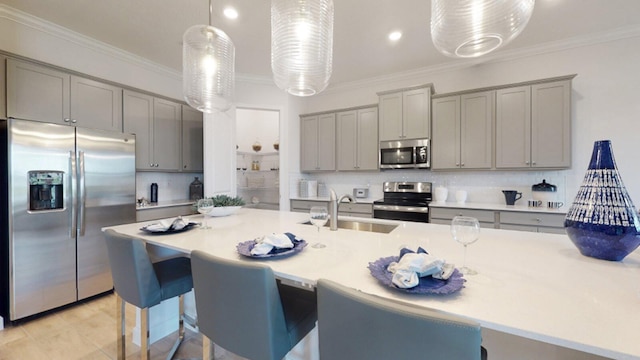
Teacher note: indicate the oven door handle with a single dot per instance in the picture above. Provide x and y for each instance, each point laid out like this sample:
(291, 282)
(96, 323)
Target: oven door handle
(413, 209)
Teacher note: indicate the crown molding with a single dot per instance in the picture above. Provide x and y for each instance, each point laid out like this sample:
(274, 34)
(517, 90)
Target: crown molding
(500, 56)
(54, 30)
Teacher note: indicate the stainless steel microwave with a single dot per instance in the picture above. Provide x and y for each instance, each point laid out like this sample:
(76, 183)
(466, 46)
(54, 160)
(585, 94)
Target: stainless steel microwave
(405, 154)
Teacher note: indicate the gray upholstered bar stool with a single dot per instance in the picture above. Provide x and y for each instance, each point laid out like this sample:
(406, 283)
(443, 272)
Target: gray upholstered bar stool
(356, 326)
(242, 308)
(143, 284)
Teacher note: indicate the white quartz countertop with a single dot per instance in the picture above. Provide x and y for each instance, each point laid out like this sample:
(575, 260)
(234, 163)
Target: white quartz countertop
(326, 199)
(163, 204)
(498, 207)
(532, 285)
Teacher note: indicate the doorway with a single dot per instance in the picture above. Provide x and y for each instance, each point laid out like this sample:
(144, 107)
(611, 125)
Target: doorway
(258, 157)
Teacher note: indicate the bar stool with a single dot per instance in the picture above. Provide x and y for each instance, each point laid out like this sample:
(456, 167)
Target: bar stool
(242, 308)
(356, 326)
(144, 284)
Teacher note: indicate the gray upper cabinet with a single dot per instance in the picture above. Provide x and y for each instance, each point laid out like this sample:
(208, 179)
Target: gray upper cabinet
(138, 119)
(192, 154)
(3, 86)
(463, 131)
(551, 125)
(37, 93)
(157, 125)
(318, 142)
(405, 114)
(167, 134)
(96, 105)
(40, 93)
(357, 139)
(533, 126)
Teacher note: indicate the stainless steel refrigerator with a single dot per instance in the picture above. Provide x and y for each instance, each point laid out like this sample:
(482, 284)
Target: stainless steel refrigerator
(61, 185)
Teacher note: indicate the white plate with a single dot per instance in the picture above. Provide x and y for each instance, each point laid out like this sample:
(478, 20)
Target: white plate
(224, 210)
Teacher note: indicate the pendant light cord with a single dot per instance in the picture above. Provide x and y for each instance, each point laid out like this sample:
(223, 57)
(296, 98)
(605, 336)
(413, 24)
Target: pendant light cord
(210, 11)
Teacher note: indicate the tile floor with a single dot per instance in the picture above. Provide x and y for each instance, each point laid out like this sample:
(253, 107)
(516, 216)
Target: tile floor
(85, 331)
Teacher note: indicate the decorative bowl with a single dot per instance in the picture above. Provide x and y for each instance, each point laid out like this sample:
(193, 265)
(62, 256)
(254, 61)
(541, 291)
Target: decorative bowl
(223, 211)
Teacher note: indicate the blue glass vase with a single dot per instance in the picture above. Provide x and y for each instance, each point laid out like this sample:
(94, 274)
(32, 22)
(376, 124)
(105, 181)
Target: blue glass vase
(602, 221)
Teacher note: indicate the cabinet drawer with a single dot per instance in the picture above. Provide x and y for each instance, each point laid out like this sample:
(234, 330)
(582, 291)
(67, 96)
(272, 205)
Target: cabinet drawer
(448, 214)
(356, 208)
(306, 205)
(536, 219)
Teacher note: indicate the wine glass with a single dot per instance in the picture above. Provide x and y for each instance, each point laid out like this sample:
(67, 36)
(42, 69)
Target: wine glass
(318, 215)
(205, 206)
(465, 230)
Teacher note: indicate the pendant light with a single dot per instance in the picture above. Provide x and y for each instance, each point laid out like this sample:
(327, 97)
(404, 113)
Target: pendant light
(302, 45)
(471, 28)
(208, 58)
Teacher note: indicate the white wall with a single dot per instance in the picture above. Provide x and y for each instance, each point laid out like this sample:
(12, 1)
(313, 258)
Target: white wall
(605, 106)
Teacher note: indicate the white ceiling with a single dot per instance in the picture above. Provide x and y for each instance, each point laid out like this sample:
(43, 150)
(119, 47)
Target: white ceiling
(153, 29)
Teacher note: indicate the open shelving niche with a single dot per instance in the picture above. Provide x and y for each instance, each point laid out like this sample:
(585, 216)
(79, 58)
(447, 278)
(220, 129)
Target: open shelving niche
(259, 188)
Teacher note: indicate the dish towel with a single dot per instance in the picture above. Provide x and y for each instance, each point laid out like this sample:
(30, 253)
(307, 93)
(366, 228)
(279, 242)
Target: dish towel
(167, 224)
(265, 244)
(411, 266)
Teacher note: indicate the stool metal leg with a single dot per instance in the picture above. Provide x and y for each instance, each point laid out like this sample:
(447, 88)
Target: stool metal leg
(178, 342)
(145, 348)
(120, 328)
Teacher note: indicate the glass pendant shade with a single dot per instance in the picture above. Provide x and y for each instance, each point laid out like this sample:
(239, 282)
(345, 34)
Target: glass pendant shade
(302, 45)
(471, 28)
(208, 58)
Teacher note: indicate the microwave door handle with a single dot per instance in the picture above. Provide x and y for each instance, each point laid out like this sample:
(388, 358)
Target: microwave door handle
(82, 198)
(74, 200)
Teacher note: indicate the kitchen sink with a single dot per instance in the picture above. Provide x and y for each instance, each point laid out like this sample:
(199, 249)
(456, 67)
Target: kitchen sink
(361, 226)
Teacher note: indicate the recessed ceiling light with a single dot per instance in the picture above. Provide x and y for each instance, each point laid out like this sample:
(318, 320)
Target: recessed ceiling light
(395, 35)
(230, 13)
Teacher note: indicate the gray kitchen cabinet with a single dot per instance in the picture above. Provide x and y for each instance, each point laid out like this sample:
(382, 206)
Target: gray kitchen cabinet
(357, 139)
(345, 209)
(443, 216)
(364, 210)
(318, 142)
(405, 114)
(3, 86)
(44, 94)
(96, 105)
(533, 126)
(303, 206)
(192, 150)
(463, 131)
(532, 221)
(156, 123)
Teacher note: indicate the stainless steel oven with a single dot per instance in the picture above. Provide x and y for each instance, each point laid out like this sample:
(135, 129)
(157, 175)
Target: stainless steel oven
(405, 201)
(405, 154)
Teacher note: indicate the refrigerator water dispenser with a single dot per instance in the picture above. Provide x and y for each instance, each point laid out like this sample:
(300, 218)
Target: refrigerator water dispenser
(45, 190)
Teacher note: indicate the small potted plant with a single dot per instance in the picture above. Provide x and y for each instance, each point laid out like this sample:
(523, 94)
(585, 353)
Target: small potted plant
(223, 205)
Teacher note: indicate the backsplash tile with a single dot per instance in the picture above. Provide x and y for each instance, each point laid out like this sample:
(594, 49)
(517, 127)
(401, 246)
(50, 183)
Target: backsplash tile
(481, 186)
(171, 186)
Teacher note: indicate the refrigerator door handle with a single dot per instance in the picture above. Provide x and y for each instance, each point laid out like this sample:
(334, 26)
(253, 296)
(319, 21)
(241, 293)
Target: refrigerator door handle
(74, 202)
(82, 198)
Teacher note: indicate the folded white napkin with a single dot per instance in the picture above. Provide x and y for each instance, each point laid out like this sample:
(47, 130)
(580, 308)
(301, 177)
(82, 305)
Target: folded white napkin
(266, 243)
(167, 224)
(412, 266)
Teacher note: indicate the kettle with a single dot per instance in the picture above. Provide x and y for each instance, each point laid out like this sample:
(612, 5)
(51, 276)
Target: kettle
(544, 191)
(511, 196)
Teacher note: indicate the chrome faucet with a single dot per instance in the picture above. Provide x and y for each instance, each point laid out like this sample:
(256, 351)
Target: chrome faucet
(333, 208)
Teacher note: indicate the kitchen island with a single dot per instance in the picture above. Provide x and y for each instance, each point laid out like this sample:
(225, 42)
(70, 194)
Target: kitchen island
(529, 285)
